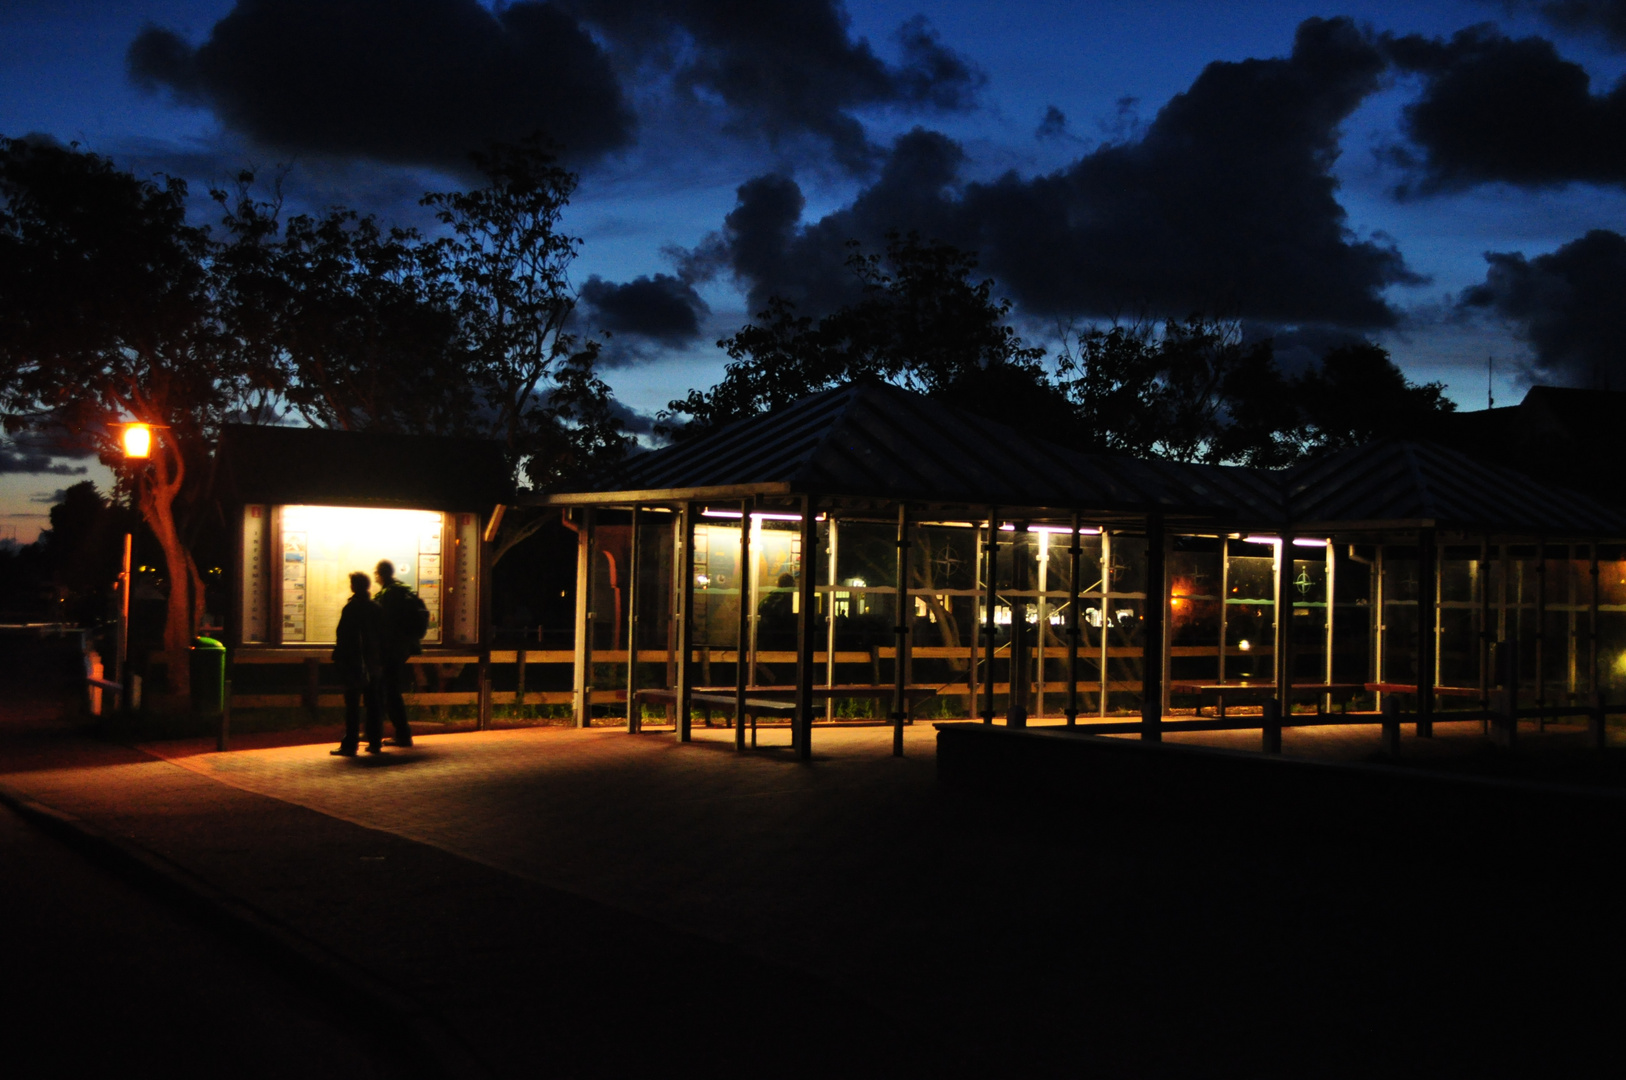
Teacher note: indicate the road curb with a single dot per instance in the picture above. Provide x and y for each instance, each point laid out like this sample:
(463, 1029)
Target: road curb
(424, 1042)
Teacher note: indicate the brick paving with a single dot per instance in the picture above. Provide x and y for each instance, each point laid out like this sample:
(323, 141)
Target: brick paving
(548, 886)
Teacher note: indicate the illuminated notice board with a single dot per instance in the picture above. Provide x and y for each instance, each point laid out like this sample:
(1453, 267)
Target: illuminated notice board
(317, 548)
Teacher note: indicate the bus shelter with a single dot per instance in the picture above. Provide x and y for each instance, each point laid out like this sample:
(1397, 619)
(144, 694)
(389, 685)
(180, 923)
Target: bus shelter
(870, 554)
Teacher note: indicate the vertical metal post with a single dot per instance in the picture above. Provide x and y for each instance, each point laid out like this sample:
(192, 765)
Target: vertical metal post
(1427, 619)
(742, 642)
(903, 611)
(1106, 620)
(832, 538)
(1041, 620)
(685, 620)
(1483, 578)
(1075, 563)
(1541, 635)
(1283, 644)
(121, 650)
(1157, 603)
(223, 739)
(1016, 703)
(1332, 581)
(1379, 602)
(582, 688)
(805, 641)
(1225, 607)
(634, 552)
(990, 571)
(1596, 725)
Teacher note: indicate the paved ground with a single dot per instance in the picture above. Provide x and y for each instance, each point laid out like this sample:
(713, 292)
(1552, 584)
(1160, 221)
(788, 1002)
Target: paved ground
(590, 903)
(102, 977)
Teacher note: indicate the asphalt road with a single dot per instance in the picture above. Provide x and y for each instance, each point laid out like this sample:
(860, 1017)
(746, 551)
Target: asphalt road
(103, 979)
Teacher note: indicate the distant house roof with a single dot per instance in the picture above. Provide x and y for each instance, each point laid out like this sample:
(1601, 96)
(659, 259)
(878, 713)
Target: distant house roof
(292, 465)
(873, 440)
(1557, 434)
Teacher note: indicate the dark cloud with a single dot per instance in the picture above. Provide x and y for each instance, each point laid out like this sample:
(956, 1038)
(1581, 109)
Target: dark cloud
(1053, 125)
(789, 68)
(409, 81)
(1495, 108)
(426, 81)
(1583, 17)
(42, 452)
(1226, 204)
(660, 308)
(1566, 305)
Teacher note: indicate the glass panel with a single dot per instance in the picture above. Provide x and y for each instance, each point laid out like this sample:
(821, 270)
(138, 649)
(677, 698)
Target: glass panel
(321, 545)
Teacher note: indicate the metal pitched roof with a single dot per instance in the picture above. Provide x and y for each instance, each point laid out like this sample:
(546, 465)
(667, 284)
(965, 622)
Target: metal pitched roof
(870, 439)
(1393, 480)
(874, 440)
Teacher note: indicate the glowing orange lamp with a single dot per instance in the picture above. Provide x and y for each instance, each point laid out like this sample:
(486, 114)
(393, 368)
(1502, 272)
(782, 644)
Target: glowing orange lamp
(137, 440)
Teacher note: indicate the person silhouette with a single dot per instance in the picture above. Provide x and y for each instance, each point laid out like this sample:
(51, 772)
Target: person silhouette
(405, 620)
(359, 654)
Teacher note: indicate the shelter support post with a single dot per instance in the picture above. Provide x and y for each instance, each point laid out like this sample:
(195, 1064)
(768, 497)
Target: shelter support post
(903, 611)
(1428, 614)
(805, 641)
(1485, 630)
(582, 685)
(1597, 732)
(1541, 635)
(742, 666)
(634, 715)
(1016, 708)
(1328, 669)
(1157, 606)
(1075, 554)
(1391, 726)
(1271, 735)
(685, 619)
(990, 570)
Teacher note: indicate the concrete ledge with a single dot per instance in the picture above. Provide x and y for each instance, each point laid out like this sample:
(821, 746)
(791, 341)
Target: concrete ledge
(1180, 780)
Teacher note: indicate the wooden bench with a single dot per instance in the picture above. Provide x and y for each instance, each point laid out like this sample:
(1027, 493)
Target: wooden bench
(1261, 689)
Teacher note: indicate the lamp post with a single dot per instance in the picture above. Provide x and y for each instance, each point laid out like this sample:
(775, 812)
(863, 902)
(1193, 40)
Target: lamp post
(136, 439)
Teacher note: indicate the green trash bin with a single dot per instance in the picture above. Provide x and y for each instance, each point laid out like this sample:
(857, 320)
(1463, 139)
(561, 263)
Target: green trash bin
(208, 677)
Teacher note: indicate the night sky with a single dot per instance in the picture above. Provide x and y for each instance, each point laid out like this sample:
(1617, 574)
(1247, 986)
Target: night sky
(1442, 177)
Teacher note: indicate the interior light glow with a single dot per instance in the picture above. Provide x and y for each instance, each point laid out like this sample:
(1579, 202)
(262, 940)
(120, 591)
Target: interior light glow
(1064, 531)
(1298, 541)
(755, 516)
(137, 440)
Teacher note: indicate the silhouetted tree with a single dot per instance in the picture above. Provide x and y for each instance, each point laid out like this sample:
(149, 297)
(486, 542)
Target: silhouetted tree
(922, 321)
(1358, 394)
(107, 314)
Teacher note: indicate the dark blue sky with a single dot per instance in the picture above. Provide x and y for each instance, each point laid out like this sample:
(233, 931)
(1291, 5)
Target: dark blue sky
(1319, 179)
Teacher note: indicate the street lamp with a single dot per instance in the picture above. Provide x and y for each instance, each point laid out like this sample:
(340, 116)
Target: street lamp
(137, 441)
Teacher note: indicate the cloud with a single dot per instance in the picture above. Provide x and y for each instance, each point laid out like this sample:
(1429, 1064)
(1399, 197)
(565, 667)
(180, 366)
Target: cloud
(41, 453)
(48, 498)
(1566, 305)
(1580, 17)
(660, 308)
(786, 69)
(1053, 125)
(403, 81)
(1494, 108)
(1225, 203)
(427, 81)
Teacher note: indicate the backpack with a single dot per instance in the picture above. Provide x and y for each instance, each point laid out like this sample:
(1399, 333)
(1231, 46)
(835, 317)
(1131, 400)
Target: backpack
(407, 614)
